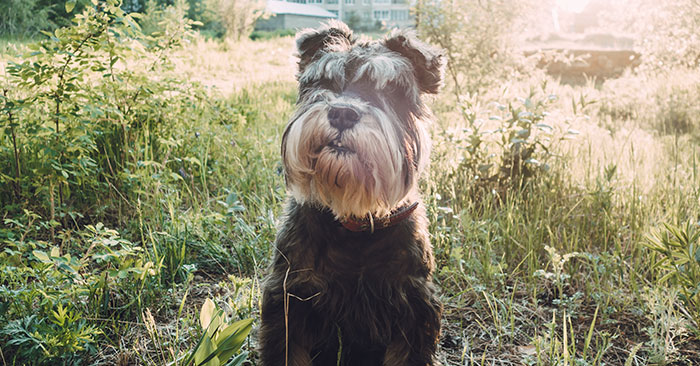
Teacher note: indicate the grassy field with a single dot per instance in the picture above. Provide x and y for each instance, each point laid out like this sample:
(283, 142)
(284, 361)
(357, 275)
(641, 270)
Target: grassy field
(158, 185)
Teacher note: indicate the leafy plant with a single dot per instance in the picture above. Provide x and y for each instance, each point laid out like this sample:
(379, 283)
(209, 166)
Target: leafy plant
(476, 37)
(510, 149)
(558, 277)
(220, 341)
(678, 250)
(236, 16)
(62, 338)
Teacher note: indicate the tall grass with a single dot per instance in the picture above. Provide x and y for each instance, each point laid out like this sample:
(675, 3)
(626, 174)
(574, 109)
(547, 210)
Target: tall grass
(546, 263)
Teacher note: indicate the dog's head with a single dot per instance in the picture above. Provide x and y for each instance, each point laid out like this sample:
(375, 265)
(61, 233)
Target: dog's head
(358, 141)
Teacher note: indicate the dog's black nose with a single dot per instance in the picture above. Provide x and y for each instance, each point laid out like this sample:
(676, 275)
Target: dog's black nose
(343, 117)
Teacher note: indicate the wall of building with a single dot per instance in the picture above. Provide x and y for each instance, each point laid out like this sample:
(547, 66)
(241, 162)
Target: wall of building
(295, 21)
(289, 21)
(274, 22)
(390, 13)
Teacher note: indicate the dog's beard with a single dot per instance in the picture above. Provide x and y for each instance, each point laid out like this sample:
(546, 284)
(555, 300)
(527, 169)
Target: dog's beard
(359, 171)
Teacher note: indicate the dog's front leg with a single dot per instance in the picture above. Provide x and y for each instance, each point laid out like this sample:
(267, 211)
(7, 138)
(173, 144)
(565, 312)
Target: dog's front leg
(284, 337)
(414, 341)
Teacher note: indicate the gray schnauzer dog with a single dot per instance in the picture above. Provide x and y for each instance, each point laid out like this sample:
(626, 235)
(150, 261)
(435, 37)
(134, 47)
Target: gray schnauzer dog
(350, 282)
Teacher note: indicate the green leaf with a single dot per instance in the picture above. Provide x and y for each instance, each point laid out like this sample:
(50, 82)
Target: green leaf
(238, 360)
(234, 342)
(192, 160)
(41, 256)
(70, 4)
(206, 354)
(206, 313)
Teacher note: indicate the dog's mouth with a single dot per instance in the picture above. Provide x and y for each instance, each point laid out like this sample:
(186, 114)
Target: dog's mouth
(339, 147)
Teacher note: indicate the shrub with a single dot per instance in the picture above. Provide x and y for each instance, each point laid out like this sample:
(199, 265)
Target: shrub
(88, 134)
(167, 22)
(24, 17)
(477, 38)
(509, 149)
(264, 35)
(50, 292)
(678, 260)
(80, 122)
(665, 101)
(668, 32)
(236, 16)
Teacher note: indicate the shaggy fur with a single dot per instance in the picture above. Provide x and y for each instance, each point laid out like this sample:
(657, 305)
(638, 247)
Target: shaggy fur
(354, 149)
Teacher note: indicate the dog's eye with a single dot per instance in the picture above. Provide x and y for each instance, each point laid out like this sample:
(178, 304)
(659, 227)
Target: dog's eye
(394, 91)
(329, 84)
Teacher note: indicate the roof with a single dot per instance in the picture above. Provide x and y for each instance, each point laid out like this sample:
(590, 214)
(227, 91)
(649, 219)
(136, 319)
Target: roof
(283, 7)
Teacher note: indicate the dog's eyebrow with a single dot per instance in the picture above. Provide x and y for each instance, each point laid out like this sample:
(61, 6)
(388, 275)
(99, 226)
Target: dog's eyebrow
(330, 66)
(384, 68)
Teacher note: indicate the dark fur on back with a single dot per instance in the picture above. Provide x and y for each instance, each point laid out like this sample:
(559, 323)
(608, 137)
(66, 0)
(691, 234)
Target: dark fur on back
(367, 294)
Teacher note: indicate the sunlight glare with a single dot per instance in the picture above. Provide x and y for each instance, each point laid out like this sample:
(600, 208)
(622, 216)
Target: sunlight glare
(574, 6)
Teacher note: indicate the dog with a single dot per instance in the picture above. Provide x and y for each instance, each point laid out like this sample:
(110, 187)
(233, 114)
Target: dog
(351, 279)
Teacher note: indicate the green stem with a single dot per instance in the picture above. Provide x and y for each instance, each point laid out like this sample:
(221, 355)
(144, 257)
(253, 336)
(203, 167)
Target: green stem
(13, 135)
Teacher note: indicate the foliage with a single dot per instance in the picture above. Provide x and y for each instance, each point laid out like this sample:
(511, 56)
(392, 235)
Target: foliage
(678, 250)
(24, 17)
(663, 100)
(168, 22)
(88, 137)
(60, 340)
(264, 35)
(174, 189)
(62, 289)
(237, 17)
(220, 340)
(669, 32)
(54, 155)
(509, 149)
(476, 38)
(78, 112)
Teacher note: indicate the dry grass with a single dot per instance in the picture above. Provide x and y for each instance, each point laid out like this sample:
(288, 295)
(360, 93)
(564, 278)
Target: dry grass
(498, 311)
(230, 67)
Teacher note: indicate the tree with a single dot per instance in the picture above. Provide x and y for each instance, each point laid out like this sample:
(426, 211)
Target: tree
(237, 16)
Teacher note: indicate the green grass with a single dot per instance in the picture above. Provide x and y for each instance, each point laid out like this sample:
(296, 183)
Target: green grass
(554, 269)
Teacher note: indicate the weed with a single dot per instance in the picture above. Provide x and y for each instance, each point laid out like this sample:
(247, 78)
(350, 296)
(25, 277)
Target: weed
(678, 262)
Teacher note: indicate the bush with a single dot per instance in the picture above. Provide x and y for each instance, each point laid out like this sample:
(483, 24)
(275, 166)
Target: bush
(237, 17)
(669, 32)
(677, 250)
(97, 128)
(264, 35)
(665, 101)
(75, 116)
(49, 292)
(168, 22)
(477, 38)
(24, 17)
(505, 147)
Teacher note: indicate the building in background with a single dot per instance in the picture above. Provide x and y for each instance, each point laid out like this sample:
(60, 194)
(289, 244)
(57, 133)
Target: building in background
(367, 14)
(292, 15)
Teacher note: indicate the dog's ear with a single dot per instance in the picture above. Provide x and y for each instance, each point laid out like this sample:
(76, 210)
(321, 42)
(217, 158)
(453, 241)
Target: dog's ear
(331, 37)
(428, 62)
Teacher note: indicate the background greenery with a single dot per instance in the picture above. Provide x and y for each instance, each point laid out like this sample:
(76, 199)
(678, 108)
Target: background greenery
(140, 177)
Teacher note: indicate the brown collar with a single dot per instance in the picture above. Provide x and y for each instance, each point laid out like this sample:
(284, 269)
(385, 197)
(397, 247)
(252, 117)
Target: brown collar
(371, 224)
